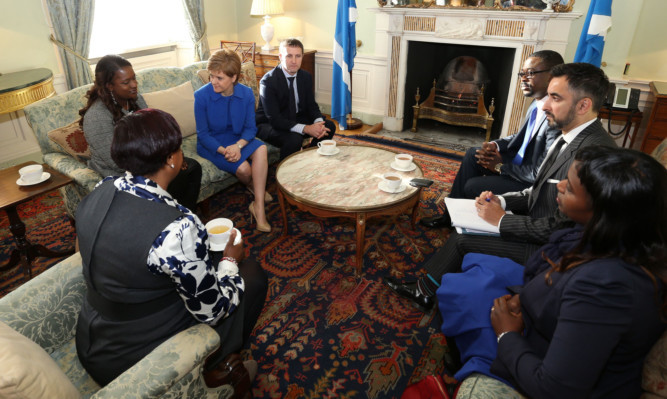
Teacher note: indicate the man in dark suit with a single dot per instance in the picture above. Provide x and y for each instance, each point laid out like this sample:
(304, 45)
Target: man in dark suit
(575, 94)
(510, 163)
(287, 111)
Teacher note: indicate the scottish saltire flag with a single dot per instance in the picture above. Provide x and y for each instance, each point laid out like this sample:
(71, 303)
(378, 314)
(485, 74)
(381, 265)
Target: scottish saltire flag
(345, 49)
(591, 42)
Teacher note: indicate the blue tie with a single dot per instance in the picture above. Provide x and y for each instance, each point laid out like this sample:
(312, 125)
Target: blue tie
(518, 158)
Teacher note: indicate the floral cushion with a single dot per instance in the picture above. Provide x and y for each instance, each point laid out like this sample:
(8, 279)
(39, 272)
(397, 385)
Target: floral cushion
(660, 153)
(71, 139)
(480, 386)
(654, 376)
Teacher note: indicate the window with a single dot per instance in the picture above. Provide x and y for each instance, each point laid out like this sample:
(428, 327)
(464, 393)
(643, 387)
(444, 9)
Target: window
(120, 26)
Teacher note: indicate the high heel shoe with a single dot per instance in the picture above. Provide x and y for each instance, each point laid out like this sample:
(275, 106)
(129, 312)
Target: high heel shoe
(267, 197)
(264, 228)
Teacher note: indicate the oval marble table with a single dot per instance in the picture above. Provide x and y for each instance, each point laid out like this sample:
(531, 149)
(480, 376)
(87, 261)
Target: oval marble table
(345, 185)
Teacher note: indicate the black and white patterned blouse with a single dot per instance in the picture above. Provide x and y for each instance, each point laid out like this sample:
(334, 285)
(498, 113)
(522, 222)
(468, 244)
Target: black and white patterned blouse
(210, 292)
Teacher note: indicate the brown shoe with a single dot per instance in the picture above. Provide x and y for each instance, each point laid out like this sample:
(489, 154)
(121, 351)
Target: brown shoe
(233, 372)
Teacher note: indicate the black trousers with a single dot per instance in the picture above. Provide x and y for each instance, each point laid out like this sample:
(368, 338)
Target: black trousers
(472, 179)
(288, 141)
(185, 186)
(448, 259)
(235, 330)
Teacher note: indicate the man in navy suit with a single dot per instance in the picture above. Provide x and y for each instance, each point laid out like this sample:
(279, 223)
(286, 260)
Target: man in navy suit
(574, 97)
(510, 163)
(287, 112)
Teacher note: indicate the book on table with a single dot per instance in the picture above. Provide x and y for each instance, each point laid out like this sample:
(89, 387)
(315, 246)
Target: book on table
(466, 220)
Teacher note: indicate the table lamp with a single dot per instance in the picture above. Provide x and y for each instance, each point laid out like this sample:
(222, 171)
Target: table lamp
(266, 8)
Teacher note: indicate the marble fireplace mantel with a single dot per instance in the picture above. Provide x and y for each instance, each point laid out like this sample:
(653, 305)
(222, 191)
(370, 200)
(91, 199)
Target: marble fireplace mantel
(524, 31)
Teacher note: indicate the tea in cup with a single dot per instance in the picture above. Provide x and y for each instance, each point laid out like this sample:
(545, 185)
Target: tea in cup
(392, 181)
(403, 161)
(327, 146)
(31, 174)
(219, 231)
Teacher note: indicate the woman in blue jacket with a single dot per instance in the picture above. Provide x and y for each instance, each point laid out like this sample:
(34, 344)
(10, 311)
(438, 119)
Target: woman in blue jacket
(225, 116)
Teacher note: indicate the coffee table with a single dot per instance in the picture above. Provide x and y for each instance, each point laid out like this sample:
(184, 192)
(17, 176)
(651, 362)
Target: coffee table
(11, 195)
(345, 185)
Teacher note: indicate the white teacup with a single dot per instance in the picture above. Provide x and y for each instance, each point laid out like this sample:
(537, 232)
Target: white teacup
(403, 161)
(219, 231)
(31, 174)
(327, 146)
(392, 181)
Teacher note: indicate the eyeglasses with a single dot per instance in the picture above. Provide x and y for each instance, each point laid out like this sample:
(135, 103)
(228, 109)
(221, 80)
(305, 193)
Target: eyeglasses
(530, 74)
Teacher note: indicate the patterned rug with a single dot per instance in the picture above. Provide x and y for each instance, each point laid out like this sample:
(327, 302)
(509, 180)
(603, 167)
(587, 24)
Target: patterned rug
(323, 331)
(46, 224)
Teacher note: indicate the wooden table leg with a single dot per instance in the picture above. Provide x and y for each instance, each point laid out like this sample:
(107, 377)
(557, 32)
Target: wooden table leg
(25, 252)
(361, 234)
(283, 210)
(415, 210)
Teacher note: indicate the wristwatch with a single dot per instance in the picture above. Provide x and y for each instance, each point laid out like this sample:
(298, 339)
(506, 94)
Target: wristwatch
(497, 167)
(240, 145)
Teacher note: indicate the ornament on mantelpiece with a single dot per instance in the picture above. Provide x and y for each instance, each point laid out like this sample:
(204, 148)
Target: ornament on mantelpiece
(550, 5)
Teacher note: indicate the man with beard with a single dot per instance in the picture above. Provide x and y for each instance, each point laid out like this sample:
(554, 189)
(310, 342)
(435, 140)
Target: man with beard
(575, 94)
(510, 163)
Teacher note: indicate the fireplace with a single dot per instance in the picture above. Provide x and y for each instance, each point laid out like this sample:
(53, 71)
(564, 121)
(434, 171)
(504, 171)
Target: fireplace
(501, 40)
(428, 61)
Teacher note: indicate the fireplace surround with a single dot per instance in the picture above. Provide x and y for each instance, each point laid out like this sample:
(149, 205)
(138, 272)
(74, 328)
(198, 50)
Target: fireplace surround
(519, 32)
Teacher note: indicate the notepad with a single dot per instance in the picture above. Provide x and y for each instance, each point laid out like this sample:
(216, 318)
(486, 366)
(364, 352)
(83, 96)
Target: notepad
(464, 216)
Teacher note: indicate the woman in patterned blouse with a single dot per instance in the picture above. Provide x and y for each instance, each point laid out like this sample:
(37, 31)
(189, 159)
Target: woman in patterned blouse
(146, 261)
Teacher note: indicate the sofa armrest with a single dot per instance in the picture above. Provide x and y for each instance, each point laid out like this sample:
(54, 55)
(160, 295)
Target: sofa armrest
(174, 365)
(46, 308)
(81, 174)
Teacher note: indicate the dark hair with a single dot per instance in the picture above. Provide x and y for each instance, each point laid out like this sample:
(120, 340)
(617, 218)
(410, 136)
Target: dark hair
(143, 140)
(549, 58)
(628, 190)
(585, 80)
(291, 42)
(105, 70)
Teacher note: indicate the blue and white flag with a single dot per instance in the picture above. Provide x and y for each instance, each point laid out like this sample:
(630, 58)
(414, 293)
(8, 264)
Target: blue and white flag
(591, 42)
(344, 51)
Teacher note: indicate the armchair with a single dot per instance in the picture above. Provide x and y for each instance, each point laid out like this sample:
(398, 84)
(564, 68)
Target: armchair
(45, 310)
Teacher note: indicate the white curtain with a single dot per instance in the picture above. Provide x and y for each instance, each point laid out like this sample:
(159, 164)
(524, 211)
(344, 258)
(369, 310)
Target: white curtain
(72, 23)
(195, 12)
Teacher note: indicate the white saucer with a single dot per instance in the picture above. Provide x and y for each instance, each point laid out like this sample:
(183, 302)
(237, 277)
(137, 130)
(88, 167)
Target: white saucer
(45, 177)
(221, 247)
(336, 151)
(382, 186)
(408, 169)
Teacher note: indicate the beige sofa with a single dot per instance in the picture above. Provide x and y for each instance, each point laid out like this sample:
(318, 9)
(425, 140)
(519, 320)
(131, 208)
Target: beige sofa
(64, 149)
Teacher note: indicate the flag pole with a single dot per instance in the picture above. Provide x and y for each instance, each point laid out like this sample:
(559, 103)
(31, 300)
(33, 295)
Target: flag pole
(353, 123)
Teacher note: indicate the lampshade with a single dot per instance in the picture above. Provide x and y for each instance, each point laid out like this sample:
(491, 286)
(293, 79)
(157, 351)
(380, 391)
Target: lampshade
(266, 7)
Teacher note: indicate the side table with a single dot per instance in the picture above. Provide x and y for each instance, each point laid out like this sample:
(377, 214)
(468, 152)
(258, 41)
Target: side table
(629, 117)
(11, 195)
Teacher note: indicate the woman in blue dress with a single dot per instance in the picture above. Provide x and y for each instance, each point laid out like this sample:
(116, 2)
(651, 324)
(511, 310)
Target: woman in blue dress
(225, 116)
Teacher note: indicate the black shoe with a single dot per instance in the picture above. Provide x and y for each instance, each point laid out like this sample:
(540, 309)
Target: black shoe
(437, 221)
(411, 292)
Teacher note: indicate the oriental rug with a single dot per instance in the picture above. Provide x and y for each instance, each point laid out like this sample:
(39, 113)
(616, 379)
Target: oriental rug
(324, 332)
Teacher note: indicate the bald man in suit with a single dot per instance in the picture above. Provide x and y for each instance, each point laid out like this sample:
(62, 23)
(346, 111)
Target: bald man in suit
(575, 94)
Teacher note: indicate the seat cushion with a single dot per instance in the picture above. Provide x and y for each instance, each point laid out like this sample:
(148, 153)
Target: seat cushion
(28, 371)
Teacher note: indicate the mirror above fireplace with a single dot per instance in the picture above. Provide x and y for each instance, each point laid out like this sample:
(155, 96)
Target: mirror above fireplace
(504, 5)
